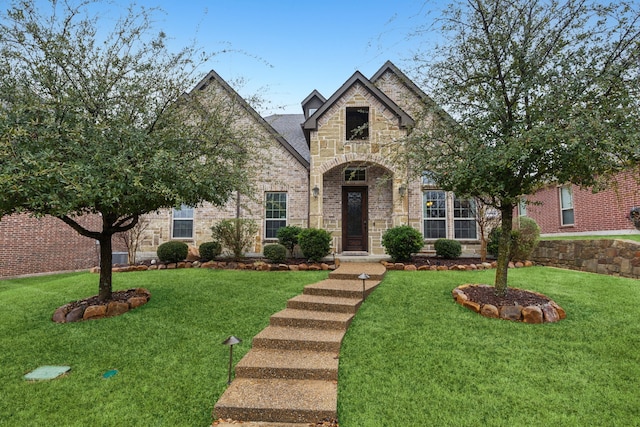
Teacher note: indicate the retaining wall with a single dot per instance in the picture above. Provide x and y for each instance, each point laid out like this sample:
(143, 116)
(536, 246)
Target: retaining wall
(605, 256)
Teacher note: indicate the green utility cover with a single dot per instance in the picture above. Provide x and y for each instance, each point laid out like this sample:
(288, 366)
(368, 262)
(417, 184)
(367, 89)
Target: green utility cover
(110, 373)
(47, 372)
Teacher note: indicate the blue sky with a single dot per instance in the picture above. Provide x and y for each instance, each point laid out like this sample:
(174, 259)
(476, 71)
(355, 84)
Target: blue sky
(285, 49)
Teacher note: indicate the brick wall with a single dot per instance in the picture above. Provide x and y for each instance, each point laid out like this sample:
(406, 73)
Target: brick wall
(614, 257)
(603, 211)
(38, 245)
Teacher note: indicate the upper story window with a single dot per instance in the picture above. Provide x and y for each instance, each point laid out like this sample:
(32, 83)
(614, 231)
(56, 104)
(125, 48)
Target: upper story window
(464, 218)
(427, 179)
(182, 223)
(435, 214)
(357, 123)
(566, 205)
(275, 213)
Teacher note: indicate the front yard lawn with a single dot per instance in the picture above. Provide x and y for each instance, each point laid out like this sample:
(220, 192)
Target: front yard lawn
(412, 357)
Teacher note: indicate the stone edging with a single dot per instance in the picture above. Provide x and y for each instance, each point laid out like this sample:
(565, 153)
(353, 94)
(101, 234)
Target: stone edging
(68, 313)
(548, 313)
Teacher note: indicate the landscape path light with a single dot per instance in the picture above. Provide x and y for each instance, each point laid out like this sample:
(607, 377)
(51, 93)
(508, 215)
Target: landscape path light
(363, 277)
(231, 341)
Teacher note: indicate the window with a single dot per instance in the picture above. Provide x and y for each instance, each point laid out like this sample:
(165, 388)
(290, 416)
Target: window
(464, 218)
(275, 214)
(183, 222)
(522, 207)
(357, 123)
(435, 214)
(355, 174)
(566, 205)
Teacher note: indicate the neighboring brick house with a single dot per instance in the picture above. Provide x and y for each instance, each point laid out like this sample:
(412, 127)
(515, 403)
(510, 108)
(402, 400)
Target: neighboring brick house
(332, 167)
(569, 209)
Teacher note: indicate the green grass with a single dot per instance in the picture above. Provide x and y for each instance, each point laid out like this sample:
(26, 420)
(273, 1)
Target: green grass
(635, 237)
(172, 366)
(412, 357)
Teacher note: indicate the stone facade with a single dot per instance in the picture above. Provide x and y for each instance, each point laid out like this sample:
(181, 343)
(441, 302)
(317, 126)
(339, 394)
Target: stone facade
(604, 256)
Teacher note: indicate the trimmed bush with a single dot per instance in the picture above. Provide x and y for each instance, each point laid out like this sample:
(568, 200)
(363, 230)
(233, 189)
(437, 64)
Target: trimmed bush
(447, 248)
(210, 250)
(402, 241)
(523, 240)
(173, 251)
(315, 243)
(288, 237)
(235, 234)
(275, 252)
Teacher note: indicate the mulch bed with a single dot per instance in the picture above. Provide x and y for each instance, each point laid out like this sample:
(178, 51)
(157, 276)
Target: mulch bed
(118, 296)
(486, 295)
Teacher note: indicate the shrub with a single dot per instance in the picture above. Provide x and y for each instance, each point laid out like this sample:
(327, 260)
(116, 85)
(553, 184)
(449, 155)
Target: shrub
(235, 234)
(210, 250)
(523, 241)
(172, 251)
(400, 242)
(288, 237)
(315, 243)
(275, 252)
(447, 248)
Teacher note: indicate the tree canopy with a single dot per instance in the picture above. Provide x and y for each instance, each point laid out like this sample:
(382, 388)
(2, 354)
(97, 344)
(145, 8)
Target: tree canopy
(98, 120)
(537, 92)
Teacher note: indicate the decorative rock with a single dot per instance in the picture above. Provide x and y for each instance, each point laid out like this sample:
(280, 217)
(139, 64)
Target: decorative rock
(135, 302)
(550, 313)
(181, 264)
(59, 315)
(303, 267)
(473, 267)
(314, 267)
(75, 314)
(193, 254)
(324, 266)
(294, 268)
(208, 264)
(232, 265)
(285, 267)
(196, 264)
(490, 310)
(115, 308)
(162, 267)
(95, 270)
(471, 305)
(511, 312)
(528, 264)
(532, 314)
(442, 268)
(433, 268)
(561, 313)
(519, 264)
(171, 266)
(511, 265)
(410, 267)
(337, 262)
(188, 265)
(95, 312)
(398, 266)
(424, 267)
(487, 265)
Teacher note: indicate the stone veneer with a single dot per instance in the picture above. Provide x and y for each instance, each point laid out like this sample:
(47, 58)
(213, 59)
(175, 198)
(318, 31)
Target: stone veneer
(602, 256)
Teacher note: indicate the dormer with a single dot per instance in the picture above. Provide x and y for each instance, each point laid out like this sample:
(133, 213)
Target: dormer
(312, 103)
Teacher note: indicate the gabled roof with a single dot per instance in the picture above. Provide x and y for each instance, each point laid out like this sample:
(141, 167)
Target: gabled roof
(289, 127)
(212, 75)
(405, 120)
(314, 94)
(426, 99)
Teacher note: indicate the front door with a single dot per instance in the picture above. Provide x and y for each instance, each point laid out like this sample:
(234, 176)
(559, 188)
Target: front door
(354, 218)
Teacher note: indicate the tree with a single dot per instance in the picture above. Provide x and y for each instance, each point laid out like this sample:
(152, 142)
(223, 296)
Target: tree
(95, 122)
(537, 92)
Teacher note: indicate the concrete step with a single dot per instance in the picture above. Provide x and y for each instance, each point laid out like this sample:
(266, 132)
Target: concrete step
(311, 319)
(323, 303)
(351, 271)
(283, 401)
(286, 364)
(288, 338)
(341, 288)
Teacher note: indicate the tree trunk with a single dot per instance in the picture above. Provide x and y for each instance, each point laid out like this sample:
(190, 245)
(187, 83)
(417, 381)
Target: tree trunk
(106, 261)
(504, 246)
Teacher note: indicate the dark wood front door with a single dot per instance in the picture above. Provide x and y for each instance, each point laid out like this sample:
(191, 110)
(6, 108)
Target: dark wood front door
(354, 218)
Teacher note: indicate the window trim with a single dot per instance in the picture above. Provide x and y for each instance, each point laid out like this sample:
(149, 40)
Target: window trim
(459, 219)
(444, 218)
(185, 219)
(267, 220)
(563, 209)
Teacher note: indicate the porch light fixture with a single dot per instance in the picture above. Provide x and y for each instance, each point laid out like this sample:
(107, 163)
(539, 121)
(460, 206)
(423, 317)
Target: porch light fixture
(231, 341)
(402, 190)
(363, 277)
(315, 191)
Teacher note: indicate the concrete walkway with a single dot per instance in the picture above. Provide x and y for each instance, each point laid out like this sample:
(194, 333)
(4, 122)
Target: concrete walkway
(290, 375)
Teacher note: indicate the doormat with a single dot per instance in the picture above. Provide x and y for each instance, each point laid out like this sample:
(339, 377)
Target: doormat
(47, 373)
